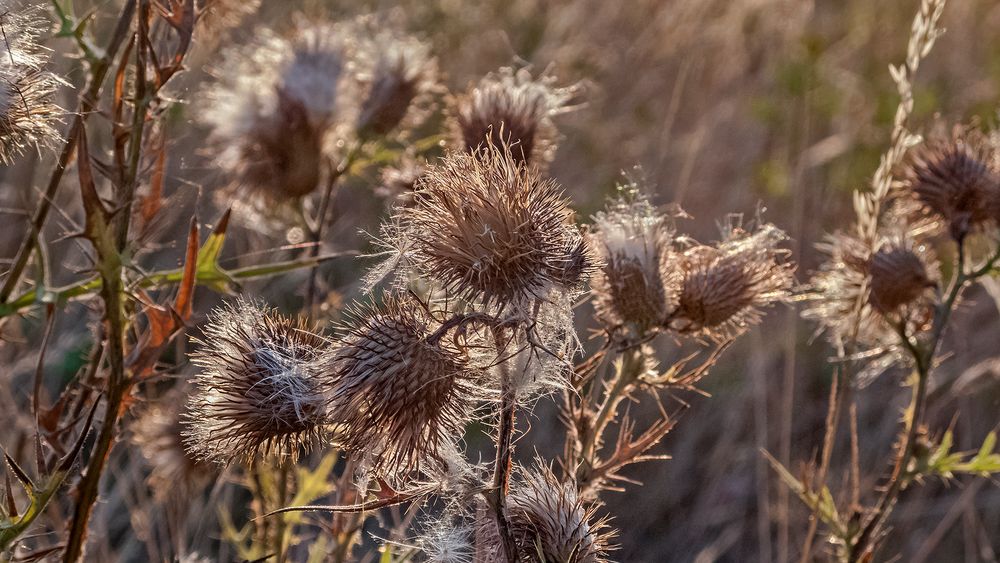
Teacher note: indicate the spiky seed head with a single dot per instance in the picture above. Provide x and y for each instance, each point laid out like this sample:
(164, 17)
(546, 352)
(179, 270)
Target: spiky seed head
(641, 278)
(399, 393)
(955, 181)
(726, 286)
(510, 108)
(548, 522)
(158, 433)
(313, 69)
(28, 115)
(899, 277)
(492, 230)
(284, 157)
(260, 390)
(844, 302)
(278, 109)
(399, 77)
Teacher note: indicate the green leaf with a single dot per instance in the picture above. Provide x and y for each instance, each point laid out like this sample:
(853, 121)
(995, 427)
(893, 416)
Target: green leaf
(946, 464)
(821, 503)
(240, 539)
(311, 485)
(988, 444)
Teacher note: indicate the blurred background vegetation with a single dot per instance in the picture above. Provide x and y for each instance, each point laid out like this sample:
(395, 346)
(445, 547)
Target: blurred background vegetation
(774, 106)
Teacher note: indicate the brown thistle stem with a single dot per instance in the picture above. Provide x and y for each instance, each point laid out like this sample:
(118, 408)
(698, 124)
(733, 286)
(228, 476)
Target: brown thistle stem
(627, 372)
(98, 72)
(322, 218)
(112, 294)
(316, 231)
(141, 99)
(923, 357)
(504, 453)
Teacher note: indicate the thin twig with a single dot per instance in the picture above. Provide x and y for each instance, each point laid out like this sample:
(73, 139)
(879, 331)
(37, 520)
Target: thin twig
(88, 101)
(504, 453)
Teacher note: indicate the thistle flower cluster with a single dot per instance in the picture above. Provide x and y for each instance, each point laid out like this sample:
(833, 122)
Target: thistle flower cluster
(391, 390)
(490, 230)
(286, 109)
(261, 389)
(510, 108)
(727, 285)
(863, 298)
(28, 114)
(867, 292)
(957, 182)
(547, 520)
(401, 391)
(640, 282)
(650, 282)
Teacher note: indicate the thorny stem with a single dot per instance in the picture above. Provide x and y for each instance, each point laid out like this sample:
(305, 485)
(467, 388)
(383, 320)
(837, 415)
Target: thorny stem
(627, 371)
(112, 293)
(88, 101)
(316, 231)
(502, 464)
(158, 279)
(322, 218)
(869, 208)
(141, 101)
(923, 357)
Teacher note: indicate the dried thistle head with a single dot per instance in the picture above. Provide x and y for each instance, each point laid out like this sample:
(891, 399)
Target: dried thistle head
(399, 77)
(548, 522)
(955, 181)
(260, 390)
(491, 230)
(640, 281)
(158, 433)
(277, 110)
(509, 108)
(28, 114)
(725, 286)
(857, 296)
(313, 71)
(899, 277)
(400, 392)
